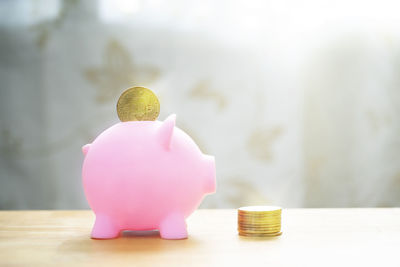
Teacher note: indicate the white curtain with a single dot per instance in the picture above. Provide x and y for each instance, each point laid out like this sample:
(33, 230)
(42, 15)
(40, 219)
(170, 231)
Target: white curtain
(298, 100)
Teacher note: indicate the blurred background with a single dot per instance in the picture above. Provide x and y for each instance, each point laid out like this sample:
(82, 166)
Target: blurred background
(298, 100)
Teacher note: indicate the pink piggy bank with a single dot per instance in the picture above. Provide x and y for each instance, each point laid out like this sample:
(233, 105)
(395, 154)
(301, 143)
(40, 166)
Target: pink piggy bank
(145, 175)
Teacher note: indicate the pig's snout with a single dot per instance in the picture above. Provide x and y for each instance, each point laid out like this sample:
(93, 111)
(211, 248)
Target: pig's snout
(210, 175)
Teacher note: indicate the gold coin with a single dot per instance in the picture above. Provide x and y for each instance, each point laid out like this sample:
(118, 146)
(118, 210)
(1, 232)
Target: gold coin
(258, 227)
(260, 209)
(260, 220)
(270, 213)
(260, 235)
(250, 229)
(259, 215)
(255, 219)
(138, 104)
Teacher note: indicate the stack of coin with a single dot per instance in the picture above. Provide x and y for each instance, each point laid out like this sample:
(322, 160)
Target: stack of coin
(259, 221)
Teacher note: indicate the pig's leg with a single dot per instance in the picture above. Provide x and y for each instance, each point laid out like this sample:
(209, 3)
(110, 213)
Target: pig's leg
(104, 228)
(173, 227)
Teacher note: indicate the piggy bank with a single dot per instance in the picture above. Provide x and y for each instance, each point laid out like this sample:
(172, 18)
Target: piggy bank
(145, 175)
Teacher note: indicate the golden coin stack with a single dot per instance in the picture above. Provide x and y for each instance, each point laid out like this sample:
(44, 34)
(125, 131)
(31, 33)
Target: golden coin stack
(259, 221)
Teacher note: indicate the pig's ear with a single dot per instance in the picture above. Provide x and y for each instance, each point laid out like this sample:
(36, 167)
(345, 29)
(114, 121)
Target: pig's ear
(166, 130)
(85, 149)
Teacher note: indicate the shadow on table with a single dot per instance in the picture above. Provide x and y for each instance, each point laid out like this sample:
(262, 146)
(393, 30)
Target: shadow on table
(258, 239)
(131, 242)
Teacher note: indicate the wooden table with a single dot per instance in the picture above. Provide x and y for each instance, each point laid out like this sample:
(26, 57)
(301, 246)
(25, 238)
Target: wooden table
(311, 237)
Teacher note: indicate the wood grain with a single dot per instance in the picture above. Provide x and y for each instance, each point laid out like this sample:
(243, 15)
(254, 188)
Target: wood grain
(311, 237)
